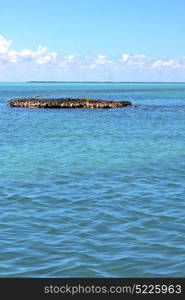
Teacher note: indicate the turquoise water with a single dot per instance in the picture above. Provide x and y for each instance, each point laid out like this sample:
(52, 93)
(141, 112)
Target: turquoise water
(93, 193)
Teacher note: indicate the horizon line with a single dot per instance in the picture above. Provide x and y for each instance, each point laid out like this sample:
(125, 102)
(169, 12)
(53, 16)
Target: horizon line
(55, 81)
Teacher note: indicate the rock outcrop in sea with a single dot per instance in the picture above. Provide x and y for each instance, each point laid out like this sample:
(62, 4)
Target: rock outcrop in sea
(67, 103)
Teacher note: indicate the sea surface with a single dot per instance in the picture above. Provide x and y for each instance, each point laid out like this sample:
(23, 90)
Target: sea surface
(93, 193)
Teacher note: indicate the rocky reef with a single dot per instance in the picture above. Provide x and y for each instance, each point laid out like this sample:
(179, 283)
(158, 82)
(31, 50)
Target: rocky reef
(67, 103)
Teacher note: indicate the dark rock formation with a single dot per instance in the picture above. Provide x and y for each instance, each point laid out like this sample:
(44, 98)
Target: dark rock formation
(67, 103)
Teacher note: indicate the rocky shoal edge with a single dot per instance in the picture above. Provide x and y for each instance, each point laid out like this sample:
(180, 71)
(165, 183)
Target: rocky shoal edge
(67, 103)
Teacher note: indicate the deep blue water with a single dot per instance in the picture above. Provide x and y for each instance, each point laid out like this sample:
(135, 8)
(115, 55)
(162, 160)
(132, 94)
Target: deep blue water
(93, 193)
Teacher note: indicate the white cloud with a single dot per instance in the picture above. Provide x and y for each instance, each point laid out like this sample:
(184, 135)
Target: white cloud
(4, 45)
(41, 64)
(137, 59)
(166, 63)
(39, 56)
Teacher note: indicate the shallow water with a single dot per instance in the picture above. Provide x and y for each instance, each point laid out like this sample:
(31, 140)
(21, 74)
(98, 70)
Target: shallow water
(93, 193)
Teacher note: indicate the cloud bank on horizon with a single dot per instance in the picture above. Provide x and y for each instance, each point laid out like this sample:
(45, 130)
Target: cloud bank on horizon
(41, 64)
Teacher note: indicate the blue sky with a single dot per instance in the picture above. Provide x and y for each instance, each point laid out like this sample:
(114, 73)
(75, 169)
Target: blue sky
(90, 37)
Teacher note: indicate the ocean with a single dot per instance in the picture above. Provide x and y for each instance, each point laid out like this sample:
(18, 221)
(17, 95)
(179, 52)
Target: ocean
(93, 193)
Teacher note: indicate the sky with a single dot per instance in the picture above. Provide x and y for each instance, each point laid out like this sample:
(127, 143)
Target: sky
(92, 40)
